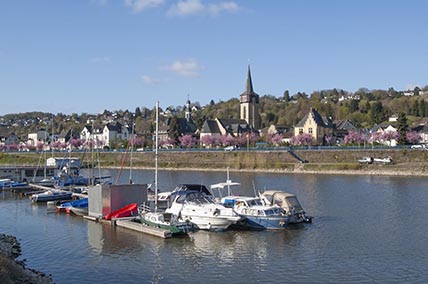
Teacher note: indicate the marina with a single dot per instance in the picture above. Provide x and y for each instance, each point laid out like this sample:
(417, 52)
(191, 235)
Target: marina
(365, 229)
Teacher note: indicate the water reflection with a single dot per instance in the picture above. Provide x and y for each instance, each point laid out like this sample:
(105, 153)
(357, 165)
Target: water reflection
(366, 230)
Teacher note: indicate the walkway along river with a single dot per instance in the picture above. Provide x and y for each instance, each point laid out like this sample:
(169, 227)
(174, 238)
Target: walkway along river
(365, 230)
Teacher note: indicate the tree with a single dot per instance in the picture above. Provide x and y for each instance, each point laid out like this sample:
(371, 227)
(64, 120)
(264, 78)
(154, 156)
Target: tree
(376, 113)
(174, 130)
(137, 112)
(207, 140)
(402, 127)
(187, 141)
(413, 137)
(354, 137)
(286, 96)
(302, 139)
(276, 139)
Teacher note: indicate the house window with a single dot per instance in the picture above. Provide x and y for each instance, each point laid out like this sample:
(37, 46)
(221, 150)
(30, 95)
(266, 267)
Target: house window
(310, 130)
(300, 130)
(245, 113)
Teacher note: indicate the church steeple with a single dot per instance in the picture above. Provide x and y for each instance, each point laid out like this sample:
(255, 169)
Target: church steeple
(250, 103)
(188, 112)
(249, 89)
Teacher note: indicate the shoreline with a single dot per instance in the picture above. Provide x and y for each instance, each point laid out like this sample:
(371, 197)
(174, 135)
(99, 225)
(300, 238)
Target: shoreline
(13, 271)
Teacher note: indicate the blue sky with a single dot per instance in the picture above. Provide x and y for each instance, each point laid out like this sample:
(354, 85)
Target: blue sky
(90, 55)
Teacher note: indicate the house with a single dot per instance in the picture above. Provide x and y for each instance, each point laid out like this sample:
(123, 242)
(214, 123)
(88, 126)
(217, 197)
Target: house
(343, 128)
(7, 137)
(423, 132)
(66, 135)
(107, 135)
(393, 118)
(223, 127)
(316, 125)
(275, 129)
(380, 131)
(39, 136)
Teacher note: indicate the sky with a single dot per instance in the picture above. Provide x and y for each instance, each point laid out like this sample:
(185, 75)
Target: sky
(85, 56)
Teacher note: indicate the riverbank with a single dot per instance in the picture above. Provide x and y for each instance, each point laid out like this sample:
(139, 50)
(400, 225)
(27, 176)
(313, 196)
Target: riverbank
(13, 271)
(406, 162)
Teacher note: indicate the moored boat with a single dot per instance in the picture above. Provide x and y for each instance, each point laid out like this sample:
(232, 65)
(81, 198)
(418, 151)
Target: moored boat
(126, 211)
(79, 211)
(199, 208)
(257, 215)
(75, 203)
(289, 203)
(51, 195)
(166, 221)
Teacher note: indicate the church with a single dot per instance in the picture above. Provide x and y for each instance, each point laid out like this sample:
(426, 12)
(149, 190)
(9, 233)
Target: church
(249, 121)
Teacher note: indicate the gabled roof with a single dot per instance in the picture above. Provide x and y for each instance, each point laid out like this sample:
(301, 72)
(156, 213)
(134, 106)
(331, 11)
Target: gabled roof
(420, 128)
(345, 125)
(234, 125)
(319, 120)
(186, 126)
(210, 126)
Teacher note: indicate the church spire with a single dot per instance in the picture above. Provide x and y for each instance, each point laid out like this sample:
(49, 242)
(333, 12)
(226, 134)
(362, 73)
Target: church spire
(249, 89)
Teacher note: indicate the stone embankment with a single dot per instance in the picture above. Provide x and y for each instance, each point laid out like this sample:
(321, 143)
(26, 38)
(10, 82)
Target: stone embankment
(13, 271)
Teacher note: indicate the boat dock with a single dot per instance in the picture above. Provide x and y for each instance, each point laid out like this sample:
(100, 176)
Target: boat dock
(132, 223)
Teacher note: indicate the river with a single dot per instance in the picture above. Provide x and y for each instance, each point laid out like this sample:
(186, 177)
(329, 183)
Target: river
(366, 229)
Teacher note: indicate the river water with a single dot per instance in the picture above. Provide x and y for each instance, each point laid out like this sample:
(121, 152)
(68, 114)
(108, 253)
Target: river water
(366, 229)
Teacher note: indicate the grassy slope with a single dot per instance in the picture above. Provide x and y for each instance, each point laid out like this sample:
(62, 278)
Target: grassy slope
(406, 161)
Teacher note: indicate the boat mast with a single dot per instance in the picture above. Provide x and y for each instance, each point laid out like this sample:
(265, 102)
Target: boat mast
(156, 155)
(132, 149)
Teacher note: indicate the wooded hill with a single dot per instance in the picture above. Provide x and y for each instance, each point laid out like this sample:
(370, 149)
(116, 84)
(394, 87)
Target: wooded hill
(363, 108)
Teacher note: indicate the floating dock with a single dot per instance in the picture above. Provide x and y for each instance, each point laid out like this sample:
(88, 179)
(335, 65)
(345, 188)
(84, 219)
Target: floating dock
(132, 223)
(137, 226)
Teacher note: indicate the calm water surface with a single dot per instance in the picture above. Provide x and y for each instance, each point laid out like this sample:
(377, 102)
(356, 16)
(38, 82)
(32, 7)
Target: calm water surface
(365, 230)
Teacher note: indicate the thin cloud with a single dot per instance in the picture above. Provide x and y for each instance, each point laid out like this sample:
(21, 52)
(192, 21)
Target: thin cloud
(186, 68)
(140, 5)
(216, 9)
(187, 7)
(196, 7)
(150, 80)
(104, 59)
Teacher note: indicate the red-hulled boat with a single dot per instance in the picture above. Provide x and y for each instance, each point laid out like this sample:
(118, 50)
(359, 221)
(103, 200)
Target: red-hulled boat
(127, 211)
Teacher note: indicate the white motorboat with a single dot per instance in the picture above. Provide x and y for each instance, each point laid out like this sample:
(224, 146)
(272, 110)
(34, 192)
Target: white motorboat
(385, 161)
(289, 203)
(199, 208)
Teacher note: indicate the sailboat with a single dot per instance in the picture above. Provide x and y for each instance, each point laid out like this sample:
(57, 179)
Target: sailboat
(154, 218)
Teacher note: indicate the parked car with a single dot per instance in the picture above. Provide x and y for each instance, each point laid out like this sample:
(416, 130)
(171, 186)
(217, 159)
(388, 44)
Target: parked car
(366, 160)
(230, 148)
(418, 146)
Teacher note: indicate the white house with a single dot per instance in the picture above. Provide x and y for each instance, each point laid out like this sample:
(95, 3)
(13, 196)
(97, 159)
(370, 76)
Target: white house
(106, 135)
(39, 136)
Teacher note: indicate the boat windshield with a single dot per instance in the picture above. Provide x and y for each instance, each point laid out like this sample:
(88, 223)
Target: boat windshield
(274, 211)
(194, 197)
(255, 202)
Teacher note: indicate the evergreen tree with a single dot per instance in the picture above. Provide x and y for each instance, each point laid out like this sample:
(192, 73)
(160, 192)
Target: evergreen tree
(423, 108)
(174, 129)
(402, 128)
(415, 108)
(137, 112)
(286, 96)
